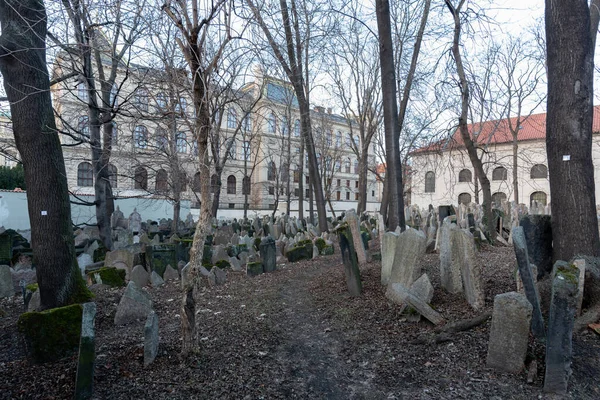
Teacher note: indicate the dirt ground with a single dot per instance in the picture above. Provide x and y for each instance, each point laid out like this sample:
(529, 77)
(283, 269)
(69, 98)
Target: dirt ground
(296, 334)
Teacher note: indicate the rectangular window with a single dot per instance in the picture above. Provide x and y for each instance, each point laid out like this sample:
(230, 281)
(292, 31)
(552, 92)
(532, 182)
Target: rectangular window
(231, 205)
(355, 196)
(347, 183)
(338, 195)
(246, 150)
(356, 184)
(297, 192)
(306, 193)
(271, 190)
(373, 193)
(347, 195)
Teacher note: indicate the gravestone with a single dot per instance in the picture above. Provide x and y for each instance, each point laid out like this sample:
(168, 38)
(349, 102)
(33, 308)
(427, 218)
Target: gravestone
(449, 265)
(352, 220)
(151, 338)
(445, 211)
(410, 248)
(140, 276)
(399, 294)
(350, 259)
(84, 383)
(135, 222)
(135, 304)
(509, 333)
(559, 344)
(538, 236)
(159, 256)
(531, 291)
(6, 283)
(170, 273)
(423, 289)
(156, 280)
(120, 259)
(117, 218)
(268, 254)
(5, 248)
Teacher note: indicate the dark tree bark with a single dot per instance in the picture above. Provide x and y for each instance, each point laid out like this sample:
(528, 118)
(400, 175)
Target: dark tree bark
(390, 115)
(27, 85)
(569, 44)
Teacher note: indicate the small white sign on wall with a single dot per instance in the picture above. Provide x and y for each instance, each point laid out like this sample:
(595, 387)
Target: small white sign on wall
(566, 157)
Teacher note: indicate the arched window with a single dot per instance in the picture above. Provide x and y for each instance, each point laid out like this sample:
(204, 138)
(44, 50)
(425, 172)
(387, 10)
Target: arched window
(162, 185)
(161, 101)
(231, 184)
(271, 171)
(83, 127)
(196, 185)
(347, 166)
(214, 183)
(539, 197)
(356, 166)
(297, 128)
(85, 174)
(246, 185)
(181, 142)
(464, 198)
(465, 176)
(430, 182)
(140, 137)
(499, 174)
(82, 91)
(338, 139)
(539, 171)
(272, 123)
(247, 123)
(141, 99)
(141, 178)
(232, 118)
(112, 175)
(498, 198)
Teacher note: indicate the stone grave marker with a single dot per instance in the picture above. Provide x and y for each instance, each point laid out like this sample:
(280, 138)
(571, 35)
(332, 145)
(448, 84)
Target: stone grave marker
(159, 256)
(151, 338)
(410, 248)
(350, 259)
(268, 254)
(538, 236)
(6, 282)
(84, 383)
(135, 304)
(509, 333)
(352, 220)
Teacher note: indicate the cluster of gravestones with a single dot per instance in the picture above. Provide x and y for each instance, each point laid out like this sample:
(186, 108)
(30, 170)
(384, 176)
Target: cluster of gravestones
(515, 314)
(16, 270)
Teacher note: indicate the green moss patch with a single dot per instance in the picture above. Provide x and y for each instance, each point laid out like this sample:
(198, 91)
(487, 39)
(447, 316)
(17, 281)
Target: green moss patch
(320, 243)
(32, 287)
(223, 264)
(110, 276)
(303, 252)
(52, 334)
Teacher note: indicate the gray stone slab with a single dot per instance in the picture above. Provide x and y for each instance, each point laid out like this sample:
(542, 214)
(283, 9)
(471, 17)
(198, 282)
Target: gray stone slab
(135, 304)
(509, 334)
(399, 294)
(6, 282)
(140, 276)
(559, 346)
(268, 254)
(423, 289)
(389, 241)
(449, 259)
(156, 280)
(359, 248)
(151, 338)
(84, 382)
(170, 274)
(531, 291)
(538, 236)
(410, 249)
(349, 257)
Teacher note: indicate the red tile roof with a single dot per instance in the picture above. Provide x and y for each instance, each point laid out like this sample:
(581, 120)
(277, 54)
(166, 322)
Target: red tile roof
(533, 127)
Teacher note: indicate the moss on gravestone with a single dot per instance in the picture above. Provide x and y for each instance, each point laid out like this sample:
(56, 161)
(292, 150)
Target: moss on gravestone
(110, 276)
(222, 264)
(32, 287)
(320, 243)
(327, 250)
(51, 334)
(257, 243)
(207, 255)
(299, 253)
(254, 268)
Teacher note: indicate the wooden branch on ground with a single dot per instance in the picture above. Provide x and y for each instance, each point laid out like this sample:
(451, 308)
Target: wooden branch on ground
(444, 333)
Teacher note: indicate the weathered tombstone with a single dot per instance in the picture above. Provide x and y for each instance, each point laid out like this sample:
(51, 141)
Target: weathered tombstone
(509, 333)
(120, 259)
(170, 273)
(470, 269)
(352, 220)
(84, 384)
(219, 274)
(116, 218)
(580, 264)
(449, 267)
(267, 254)
(531, 291)
(445, 211)
(380, 226)
(156, 280)
(135, 222)
(159, 256)
(219, 252)
(254, 268)
(6, 283)
(151, 338)
(410, 249)
(423, 289)
(140, 276)
(350, 259)
(560, 329)
(135, 304)
(399, 294)
(538, 236)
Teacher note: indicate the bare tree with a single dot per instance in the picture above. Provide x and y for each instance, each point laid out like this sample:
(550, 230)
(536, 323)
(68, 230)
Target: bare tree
(23, 68)
(292, 52)
(204, 34)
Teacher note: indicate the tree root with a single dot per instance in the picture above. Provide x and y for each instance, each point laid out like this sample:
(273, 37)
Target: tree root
(444, 333)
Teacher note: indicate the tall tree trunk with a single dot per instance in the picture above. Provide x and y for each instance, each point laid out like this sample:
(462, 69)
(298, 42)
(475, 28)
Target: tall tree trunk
(217, 194)
(301, 181)
(390, 110)
(462, 123)
(515, 166)
(383, 208)
(570, 56)
(362, 181)
(26, 82)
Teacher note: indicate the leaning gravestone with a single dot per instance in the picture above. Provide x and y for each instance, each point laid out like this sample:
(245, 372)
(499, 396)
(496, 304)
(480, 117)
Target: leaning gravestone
(84, 384)
(134, 305)
(350, 259)
(6, 283)
(410, 248)
(268, 254)
(538, 236)
(352, 220)
(509, 333)
(531, 291)
(151, 338)
(399, 294)
(559, 345)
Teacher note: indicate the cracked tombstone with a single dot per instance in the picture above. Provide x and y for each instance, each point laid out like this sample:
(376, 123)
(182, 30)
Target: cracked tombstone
(509, 334)
(84, 382)
(531, 291)
(350, 259)
(559, 346)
